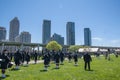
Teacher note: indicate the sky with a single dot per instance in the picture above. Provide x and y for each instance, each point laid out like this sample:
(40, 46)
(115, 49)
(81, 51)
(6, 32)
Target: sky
(101, 16)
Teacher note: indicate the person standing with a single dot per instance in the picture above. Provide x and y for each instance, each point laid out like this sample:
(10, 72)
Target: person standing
(4, 59)
(27, 58)
(69, 57)
(17, 59)
(57, 60)
(75, 59)
(87, 58)
(35, 57)
(61, 57)
(46, 61)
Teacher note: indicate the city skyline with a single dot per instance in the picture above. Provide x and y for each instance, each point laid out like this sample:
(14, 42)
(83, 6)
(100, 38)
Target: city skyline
(101, 16)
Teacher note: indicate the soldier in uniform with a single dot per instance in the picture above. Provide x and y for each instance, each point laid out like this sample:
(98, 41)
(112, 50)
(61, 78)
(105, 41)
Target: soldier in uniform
(69, 57)
(35, 57)
(4, 60)
(61, 57)
(17, 59)
(27, 57)
(87, 58)
(57, 60)
(46, 61)
(75, 59)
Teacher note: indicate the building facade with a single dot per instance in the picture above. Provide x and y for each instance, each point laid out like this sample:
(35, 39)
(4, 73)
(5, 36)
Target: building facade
(14, 29)
(58, 38)
(2, 33)
(46, 31)
(24, 37)
(87, 37)
(70, 31)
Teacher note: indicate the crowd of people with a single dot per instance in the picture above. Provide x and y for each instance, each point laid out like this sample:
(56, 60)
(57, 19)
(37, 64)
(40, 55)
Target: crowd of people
(58, 57)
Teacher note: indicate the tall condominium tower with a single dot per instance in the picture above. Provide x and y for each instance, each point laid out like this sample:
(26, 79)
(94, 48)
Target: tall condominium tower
(46, 31)
(14, 29)
(87, 37)
(70, 31)
(2, 33)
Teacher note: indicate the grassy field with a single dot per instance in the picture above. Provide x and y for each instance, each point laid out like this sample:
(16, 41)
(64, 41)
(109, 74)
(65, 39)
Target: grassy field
(101, 70)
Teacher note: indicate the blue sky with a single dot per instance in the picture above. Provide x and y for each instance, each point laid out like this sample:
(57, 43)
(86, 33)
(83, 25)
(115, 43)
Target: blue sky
(101, 16)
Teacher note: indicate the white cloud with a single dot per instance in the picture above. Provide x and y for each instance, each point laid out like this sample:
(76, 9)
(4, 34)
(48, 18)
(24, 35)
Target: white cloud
(97, 39)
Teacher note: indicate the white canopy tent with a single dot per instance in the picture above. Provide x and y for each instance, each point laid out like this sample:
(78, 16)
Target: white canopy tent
(88, 50)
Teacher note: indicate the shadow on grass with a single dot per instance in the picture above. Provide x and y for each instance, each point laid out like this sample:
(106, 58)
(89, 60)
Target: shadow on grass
(89, 70)
(43, 70)
(13, 69)
(61, 64)
(1, 78)
(55, 68)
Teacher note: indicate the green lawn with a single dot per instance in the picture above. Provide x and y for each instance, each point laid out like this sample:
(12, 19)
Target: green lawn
(101, 70)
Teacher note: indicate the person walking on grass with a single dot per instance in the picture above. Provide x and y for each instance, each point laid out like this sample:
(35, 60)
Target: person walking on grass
(61, 57)
(87, 59)
(17, 59)
(57, 60)
(46, 61)
(4, 60)
(76, 59)
(27, 58)
(69, 57)
(35, 57)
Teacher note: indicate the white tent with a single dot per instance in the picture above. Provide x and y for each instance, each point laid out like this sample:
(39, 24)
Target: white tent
(88, 50)
(103, 50)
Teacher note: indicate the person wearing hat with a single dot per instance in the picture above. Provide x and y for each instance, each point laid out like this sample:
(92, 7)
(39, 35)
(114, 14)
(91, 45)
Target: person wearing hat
(17, 59)
(4, 59)
(75, 59)
(57, 60)
(46, 61)
(87, 58)
(61, 57)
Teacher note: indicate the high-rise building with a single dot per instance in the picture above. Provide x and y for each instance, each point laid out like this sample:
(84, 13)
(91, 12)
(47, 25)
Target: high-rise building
(24, 37)
(70, 30)
(58, 38)
(14, 29)
(87, 37)
(2, 33)
(46, 31)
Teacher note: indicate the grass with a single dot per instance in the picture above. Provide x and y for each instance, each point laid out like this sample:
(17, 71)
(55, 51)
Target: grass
(101, 70)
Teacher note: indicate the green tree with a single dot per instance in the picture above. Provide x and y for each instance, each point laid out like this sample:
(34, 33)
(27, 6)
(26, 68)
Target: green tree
(53, 45)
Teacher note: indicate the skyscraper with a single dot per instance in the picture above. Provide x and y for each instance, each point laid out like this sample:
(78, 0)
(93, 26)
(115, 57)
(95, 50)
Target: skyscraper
(14, 29)
(70, 30)
(87, 37)
(46, 31)
(2, 33)
(24, 37)
(58, 38)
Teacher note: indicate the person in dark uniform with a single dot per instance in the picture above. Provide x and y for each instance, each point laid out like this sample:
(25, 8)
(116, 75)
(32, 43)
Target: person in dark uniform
(23, 57)
(4, 60)
(27, 57)
(61, 57)
(49, 58)
(17, 59)
(57, 60)
(69, 57)
(87, 58)
(46, 61)
(75, 59)
(35, 57)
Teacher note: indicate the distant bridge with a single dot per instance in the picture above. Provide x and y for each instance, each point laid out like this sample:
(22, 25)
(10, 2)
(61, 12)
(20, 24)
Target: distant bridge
(2, 43)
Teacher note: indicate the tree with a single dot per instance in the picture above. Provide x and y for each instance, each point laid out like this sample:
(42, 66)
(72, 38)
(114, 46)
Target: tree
(53, 45)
